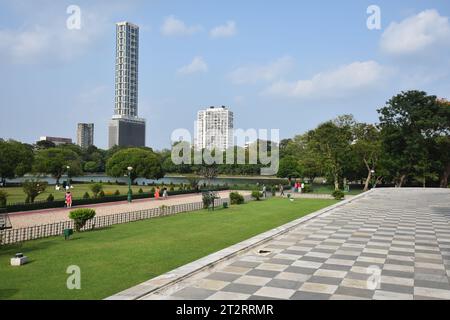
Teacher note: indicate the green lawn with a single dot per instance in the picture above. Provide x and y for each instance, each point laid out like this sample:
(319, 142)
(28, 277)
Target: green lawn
(122, 256)
(16, 194)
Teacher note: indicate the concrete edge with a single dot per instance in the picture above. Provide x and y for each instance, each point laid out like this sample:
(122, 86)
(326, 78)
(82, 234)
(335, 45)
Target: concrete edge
(172, 277)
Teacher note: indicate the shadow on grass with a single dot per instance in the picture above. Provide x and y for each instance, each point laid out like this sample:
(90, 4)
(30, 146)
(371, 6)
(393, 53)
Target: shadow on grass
(7, 293)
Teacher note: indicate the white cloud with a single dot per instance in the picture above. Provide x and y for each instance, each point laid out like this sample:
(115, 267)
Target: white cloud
(51, 41)
(224, 31)
(417, 34)
(342, 81)
(175, 27)
(197, 65)
(254, 74)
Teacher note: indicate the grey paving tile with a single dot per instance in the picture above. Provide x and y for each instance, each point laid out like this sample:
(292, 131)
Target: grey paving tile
(325, 280)
(355, 292)
(301, 295)
(230, 277)
(241, 288)
(194, 293)
(262, 273)
(285, 284)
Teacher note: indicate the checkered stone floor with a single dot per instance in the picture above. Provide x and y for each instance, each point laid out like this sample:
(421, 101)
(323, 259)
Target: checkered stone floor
(391, 244)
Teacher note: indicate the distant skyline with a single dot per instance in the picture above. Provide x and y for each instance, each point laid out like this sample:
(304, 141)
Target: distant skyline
(286, 65)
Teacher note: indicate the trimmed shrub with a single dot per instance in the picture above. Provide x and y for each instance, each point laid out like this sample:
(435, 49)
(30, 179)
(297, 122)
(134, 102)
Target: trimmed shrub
(236, 198)
(86, 195)
(338, 195)
(140, 191)
(50, 198)
(307, 189)
(101, 194)
(117, 193)
(80, 217)
(96, 189)
(3, 198)
(257, 195)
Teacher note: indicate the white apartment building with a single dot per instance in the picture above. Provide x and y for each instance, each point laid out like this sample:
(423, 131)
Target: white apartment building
(214, 129)
(126, 128)
(127, 63)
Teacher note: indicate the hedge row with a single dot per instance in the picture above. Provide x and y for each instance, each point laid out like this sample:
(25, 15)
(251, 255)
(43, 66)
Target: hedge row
(81, 202)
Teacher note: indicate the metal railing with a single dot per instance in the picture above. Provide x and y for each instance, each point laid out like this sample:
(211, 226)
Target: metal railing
(12, 236)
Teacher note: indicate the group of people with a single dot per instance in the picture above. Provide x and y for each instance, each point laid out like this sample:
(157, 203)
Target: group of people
(298, 186)
(165, 194)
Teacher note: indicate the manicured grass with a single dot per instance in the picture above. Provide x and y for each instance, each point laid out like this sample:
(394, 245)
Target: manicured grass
(16, 194)
(114, 259)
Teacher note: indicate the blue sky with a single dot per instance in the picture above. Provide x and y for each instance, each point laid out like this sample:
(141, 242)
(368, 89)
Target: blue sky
(286, 65)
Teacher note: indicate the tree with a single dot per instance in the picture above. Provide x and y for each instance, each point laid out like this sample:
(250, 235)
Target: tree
(289, 168)
(33, 188)
(367, 148)
(209, 172)
(54, 161)
(414, 128)
(44, 144)
(145, 164)
(16, 159)
(331, 143)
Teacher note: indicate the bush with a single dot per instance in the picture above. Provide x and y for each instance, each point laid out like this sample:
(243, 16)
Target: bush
(50, 198)
(86, 195)
(117, 193)
(3, 198)
(257, 195)
(338, 195)
(307, 189)
(152, 190)
(80, 217)
(101, 194)
(236, 198)
(274, 191)
(140, 191)
(96, 189)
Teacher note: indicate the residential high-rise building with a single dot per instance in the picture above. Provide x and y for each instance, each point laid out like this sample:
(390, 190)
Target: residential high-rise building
(126, 128)
(214, 129)
(85, 135)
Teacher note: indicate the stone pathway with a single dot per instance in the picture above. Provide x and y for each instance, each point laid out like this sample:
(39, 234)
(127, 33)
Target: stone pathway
(389, 244)
(28, 219)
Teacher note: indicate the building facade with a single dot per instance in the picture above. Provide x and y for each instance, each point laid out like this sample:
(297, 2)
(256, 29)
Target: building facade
(85, 135)
(126, 128)
(214, 129)
(56, 140)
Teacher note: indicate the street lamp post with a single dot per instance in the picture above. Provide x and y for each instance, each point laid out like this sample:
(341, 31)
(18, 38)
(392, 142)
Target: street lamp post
(68, 177)
(130, 197)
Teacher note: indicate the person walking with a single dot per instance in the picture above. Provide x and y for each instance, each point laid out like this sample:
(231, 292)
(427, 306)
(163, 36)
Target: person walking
(281, 190)
(264, 190)
(165, 194)
(68, 199)
(157, 193)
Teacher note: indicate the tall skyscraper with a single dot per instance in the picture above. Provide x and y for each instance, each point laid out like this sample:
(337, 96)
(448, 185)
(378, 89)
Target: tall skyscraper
(85, 135)
(126, 128)
(214, 129)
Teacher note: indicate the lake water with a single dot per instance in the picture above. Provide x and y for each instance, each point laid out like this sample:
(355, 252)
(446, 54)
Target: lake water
(166, 180)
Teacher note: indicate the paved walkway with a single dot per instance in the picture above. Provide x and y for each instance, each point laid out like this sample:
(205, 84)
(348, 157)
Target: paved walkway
(31, 218)
(389, 244)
